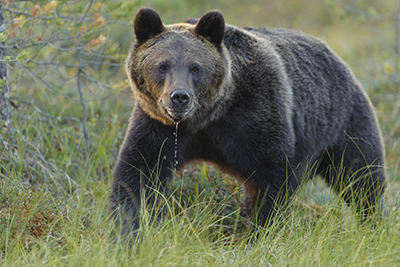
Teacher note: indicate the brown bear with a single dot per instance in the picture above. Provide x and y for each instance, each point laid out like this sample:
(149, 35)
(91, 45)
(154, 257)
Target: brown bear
(265, 105)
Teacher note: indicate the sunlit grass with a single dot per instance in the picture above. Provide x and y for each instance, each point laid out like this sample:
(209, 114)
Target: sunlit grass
(81, 233)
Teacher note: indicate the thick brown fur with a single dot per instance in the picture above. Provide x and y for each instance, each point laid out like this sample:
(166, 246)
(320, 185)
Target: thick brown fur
(266, 105)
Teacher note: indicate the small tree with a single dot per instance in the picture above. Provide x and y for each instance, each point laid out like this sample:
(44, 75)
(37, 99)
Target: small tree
(62, 46)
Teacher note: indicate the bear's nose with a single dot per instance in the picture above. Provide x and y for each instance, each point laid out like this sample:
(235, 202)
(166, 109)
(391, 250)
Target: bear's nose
(180, 97)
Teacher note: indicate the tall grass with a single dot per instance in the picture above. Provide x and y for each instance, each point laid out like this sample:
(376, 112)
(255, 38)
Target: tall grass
(79, 233)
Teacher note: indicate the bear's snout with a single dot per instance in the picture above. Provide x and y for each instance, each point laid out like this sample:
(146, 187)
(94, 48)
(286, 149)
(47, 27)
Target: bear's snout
(177, 104)
(180, 98)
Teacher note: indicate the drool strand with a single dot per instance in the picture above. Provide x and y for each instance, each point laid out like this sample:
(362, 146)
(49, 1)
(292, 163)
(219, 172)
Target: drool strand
(176, 147)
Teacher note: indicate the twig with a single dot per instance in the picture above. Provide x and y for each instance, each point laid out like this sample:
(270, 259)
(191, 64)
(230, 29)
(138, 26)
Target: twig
(83, 103)
(358, 11)
(58, 118)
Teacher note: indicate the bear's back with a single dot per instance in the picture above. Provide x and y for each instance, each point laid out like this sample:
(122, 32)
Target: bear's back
(323, 86)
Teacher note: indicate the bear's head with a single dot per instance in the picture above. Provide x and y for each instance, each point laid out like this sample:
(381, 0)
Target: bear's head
(177, 71)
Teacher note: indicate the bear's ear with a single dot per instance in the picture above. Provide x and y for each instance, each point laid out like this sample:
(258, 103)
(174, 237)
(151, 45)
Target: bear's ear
(211, 26)
(147, 24)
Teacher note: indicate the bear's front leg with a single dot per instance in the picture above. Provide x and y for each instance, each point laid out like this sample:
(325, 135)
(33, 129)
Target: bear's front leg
(143, 167)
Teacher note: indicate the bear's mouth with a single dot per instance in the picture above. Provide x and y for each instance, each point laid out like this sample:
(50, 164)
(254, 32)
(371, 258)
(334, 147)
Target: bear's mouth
(177, 115)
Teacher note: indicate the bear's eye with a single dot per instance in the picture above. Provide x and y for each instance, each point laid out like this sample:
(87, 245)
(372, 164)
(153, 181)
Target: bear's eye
(163, 68)
(195, 69)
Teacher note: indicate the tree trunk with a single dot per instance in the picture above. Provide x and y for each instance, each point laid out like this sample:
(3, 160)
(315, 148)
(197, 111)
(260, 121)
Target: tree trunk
(397, 33)
(5, 111)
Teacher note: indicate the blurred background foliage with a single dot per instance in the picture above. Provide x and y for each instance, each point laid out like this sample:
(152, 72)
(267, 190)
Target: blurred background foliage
(50, 42)
(70, 102)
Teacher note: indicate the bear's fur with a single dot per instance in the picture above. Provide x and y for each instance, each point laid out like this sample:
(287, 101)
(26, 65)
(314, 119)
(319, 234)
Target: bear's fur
(265, 105)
